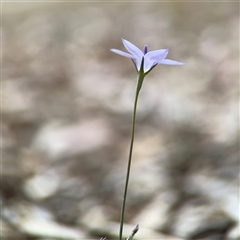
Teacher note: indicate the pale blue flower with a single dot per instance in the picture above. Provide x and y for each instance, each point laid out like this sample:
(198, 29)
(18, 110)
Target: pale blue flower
(145, 61)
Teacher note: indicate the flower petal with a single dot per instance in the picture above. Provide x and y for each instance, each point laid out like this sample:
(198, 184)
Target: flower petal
(170, 62)
(152, 58)
(135, 51)
(122, 53)
(158, 54)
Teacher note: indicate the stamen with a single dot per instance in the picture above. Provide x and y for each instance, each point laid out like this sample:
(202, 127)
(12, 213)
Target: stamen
(145, 49)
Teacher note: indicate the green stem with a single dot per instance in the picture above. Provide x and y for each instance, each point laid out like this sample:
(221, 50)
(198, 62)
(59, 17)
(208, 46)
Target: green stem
(139, 85)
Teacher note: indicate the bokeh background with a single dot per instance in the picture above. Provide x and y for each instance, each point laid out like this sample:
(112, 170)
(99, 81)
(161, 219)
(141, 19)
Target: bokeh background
(66, 121)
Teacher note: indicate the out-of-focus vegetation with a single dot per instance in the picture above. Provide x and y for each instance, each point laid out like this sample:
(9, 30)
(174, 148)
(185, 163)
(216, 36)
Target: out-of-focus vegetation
(66, 119)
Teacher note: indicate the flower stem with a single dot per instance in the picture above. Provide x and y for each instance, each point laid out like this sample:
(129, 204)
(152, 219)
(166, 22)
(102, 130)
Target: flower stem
(139, 85)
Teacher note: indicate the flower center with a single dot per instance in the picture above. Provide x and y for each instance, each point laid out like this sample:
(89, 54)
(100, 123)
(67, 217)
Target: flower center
(145, 49)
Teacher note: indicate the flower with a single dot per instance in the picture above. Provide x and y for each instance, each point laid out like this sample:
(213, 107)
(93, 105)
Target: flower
(145, 61)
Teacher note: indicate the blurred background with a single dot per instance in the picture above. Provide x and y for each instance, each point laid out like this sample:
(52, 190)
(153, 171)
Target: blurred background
(66, 121)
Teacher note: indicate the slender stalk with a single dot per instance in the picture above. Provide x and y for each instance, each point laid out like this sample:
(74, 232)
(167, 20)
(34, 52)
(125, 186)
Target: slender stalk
(139, 85)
